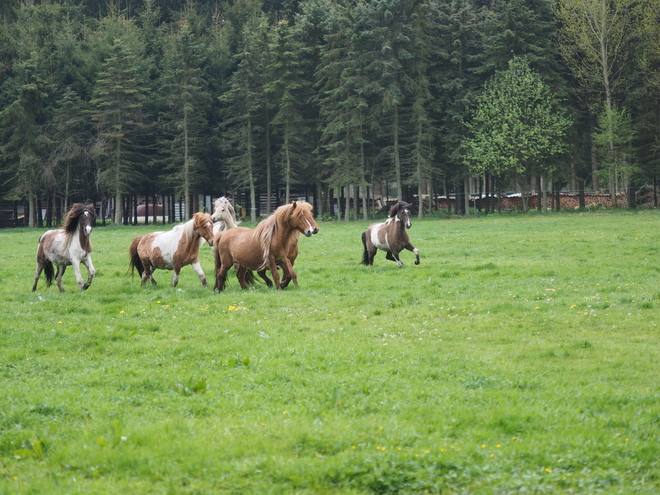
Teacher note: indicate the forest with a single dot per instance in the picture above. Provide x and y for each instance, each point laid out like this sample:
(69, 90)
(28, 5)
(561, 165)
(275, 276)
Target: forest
(340, 101)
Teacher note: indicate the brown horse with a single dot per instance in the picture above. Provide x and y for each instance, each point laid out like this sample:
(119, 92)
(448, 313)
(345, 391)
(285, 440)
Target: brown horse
(69, 245)
(172, 249)
(265, 247)
(390, 236)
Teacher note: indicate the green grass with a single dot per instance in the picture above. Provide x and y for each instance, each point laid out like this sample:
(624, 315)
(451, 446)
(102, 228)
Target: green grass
(520, 356)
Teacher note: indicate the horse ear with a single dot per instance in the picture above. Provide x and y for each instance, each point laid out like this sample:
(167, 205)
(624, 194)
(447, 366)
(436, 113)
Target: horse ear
(293, 203)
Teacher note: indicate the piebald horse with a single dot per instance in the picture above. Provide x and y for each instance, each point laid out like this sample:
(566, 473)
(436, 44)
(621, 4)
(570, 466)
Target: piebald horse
(172, 249)
(69, 245)
(264, 247)
(389, 236)
(224, 216)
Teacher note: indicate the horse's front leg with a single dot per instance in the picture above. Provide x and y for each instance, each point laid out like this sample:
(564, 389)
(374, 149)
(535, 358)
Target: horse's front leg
(272, 266)
(412, 248)
(79, 278)
(200, 273)
(60, 273)
(90, 268)
(288, 273)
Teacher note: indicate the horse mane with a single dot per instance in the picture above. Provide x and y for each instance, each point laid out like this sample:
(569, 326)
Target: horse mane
(396, 207)
(71, 224)
(276, 222)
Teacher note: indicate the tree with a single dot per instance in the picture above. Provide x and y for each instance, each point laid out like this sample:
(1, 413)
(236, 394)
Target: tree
(23, 141)
(186, 95)
(516, 126)
(289, 90)
(596, 42)
(119, 98)
(243, 104)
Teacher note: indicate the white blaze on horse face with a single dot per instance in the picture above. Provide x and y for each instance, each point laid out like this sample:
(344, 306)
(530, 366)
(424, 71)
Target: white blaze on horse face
(88, 228)
(408, 223)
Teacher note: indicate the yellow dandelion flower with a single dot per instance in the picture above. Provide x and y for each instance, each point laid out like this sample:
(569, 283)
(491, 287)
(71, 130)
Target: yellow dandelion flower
(121, 312)
(483, 446)
(548, 470)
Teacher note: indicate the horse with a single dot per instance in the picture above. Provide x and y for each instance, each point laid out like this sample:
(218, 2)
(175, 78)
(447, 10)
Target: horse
(224, 216)
(69, 245)
(172, 249)
(389, 236)
(264, 247)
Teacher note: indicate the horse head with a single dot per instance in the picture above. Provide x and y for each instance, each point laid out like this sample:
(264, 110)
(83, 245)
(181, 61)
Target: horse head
(203, 225)
(401, 211)
(80, 215)
(302, 218)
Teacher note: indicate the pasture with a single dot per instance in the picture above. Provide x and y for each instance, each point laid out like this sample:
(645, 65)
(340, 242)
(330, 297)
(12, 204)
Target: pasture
(520, 356)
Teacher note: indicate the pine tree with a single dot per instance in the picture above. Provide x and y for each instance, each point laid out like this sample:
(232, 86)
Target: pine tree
(119, 98)
(290, 92)
(186, 95)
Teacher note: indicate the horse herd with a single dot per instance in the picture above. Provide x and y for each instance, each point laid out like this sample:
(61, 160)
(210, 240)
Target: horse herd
(271, 245)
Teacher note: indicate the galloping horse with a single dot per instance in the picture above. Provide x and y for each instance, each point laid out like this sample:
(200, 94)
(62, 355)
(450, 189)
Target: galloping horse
(69, 245)
(390, 236)
(172, 249)
(224, 216)
(264, 247)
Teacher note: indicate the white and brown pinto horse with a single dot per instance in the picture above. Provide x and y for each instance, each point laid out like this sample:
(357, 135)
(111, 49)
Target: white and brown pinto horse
(224, 216)
(267, 246)
(69, 245)
(172, 249)
(389, 236)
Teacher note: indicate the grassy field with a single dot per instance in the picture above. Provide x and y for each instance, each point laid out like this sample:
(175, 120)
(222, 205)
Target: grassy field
(520, 356)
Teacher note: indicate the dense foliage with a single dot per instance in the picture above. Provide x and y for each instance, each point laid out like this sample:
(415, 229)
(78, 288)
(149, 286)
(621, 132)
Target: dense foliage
(327, 98)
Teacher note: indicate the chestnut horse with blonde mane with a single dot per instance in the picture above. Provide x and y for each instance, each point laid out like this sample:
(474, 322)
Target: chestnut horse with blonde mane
(69, 245)
(264, 247)
(172, 249)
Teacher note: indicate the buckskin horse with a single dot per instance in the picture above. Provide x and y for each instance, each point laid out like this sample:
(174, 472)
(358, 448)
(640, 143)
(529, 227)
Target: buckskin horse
(69, 245)
(390, 236)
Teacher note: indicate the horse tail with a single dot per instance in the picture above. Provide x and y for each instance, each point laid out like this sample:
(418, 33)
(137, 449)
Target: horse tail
(365, 254)
(217, 258)
(135, 261)
(250, 279)
(49, 272)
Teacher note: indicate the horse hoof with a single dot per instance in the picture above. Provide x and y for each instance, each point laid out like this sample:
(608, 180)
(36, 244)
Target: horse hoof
(85, 286)
(417, 262)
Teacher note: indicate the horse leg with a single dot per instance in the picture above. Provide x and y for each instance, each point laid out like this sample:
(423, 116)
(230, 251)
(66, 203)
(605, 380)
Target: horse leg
(175, 276)
(412, 248)
(37, 274)
(262, 274)
(241, 273)
(200, 273)
(221, 276)
(90, 268)
(394, 257)
(273, 271)
(58, 277)
(288, 273)
(79, 279)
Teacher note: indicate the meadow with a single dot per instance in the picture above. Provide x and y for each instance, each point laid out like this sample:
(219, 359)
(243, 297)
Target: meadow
(520, 356)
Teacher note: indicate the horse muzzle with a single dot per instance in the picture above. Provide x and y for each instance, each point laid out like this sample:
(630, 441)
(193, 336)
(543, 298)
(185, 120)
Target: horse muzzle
(88, 230)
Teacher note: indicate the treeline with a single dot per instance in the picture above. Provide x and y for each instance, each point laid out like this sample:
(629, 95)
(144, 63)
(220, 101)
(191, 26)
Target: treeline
(110, 101)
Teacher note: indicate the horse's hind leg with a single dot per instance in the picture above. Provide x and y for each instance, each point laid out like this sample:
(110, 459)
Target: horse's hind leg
(394, 257)
(60, 273)
(37, 274)
(265, 278)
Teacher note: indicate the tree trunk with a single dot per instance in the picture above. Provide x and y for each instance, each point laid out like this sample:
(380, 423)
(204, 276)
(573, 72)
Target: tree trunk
(397, 158)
